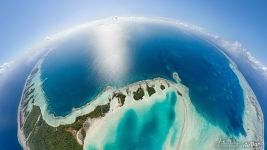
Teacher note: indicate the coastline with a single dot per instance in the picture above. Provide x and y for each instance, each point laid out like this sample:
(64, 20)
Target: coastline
(189, 118)
(20, 134)
(250, 101)
(116, 111)
(190, 115)
(101, 99)
(252, 111)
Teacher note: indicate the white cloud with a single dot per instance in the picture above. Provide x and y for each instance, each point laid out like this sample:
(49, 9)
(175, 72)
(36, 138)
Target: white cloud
(233, 47)
(4, 67)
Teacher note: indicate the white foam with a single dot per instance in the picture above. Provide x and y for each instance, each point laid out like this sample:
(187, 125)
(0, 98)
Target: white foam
(194, 127)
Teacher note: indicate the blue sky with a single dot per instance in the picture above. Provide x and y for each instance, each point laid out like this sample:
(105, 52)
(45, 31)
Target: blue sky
(24, 23)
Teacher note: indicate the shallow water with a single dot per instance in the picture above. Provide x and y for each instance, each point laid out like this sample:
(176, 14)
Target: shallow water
(74, 72)
(142, 129)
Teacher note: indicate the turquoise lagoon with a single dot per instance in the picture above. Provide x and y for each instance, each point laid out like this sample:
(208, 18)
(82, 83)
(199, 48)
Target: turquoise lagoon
(210, 100)
(73, 74)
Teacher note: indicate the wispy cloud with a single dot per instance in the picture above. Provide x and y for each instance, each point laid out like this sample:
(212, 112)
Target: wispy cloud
(5, 67)
(235, 48)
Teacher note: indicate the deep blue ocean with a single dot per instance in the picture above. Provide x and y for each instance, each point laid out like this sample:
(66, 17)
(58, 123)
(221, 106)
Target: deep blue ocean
(72, 78)
(257, 82)
(12, 86)
(10, 94)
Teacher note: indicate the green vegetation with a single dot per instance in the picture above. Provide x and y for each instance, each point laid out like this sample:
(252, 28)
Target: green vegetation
(150, 90)
(28, 87)
(179, 93)
(105, 109)
(99, 111)
(121, 97)
(137, 95)
(26, 101)
(78, 124)
(28, 93)
(83, 132)
(31, 120)
(41, 136)
(162, 87)
(45, 137)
